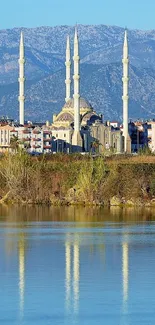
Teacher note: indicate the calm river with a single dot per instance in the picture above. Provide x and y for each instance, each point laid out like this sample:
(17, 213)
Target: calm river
(80, 266)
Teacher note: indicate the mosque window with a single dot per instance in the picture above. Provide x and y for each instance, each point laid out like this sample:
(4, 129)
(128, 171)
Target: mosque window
(64, 135)
(56, 135)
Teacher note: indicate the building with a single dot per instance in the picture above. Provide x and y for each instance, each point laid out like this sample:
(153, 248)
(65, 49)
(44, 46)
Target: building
(151, 135)
(138, 132)
(108, 137)
(78, 126)
(32, 139)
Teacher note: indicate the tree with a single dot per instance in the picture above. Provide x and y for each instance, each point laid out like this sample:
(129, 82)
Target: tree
(14, 143)
(95, 146)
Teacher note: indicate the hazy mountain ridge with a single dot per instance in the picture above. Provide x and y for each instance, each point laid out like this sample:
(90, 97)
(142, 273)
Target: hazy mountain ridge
(101, 70)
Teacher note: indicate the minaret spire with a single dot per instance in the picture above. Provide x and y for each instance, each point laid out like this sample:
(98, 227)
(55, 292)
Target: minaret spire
(77, 140)
(125, 96)
(76, 78)
(68, 71)
(21, 80)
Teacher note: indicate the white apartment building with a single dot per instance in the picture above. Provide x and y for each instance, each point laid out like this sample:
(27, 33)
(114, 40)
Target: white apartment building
(33, 139)
(6, 133)
(151, 135)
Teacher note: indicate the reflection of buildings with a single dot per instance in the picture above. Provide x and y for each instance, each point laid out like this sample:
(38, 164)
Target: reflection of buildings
(21, 254)
(76, 274)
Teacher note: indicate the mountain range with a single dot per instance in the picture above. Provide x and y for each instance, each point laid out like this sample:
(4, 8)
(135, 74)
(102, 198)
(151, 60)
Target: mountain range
(101, 70)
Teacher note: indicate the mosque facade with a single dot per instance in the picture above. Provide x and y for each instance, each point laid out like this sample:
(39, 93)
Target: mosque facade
(78, 128)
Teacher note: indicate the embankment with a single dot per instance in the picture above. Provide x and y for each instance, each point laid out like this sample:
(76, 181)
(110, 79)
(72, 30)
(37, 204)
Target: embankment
(76, 179)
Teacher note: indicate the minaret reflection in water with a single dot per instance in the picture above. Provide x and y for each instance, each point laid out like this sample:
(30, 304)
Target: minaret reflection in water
(21, 252)
(125, 273)
(68, 273)
(76, 275)
(72, 264)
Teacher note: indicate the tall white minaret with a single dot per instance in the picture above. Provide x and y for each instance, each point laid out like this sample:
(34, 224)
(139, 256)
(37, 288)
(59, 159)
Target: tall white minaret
(21, 80)
(68, 71)
(125, 96)
(76, 140)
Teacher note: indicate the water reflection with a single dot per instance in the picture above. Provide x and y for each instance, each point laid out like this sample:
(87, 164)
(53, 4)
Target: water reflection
(28, 213)
(89, 290)
(76, 275)
(125, 271)
(21, 253)
(68, 274)
(72, 264)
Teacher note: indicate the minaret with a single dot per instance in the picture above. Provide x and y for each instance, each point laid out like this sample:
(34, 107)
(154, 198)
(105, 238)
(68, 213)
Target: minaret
(21, 80)
(68, 70)
(125, 96)
(76, 140)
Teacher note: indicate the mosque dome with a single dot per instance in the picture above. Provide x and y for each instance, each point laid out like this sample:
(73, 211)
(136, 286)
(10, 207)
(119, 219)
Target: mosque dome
(65, 117)
(83, 103)
(85, 106)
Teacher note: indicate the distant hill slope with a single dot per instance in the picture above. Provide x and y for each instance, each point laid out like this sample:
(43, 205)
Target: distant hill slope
(101, 70)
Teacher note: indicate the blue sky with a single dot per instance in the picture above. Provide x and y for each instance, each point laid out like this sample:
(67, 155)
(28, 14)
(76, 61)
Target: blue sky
(138, 14)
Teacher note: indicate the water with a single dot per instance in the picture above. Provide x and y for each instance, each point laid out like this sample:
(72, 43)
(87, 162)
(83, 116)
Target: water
(77, 266)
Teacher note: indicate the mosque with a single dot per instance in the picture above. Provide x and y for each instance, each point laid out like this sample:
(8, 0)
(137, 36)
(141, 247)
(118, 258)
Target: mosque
(78, 128)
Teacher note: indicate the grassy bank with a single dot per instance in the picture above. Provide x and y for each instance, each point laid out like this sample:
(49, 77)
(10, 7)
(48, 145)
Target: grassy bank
(77, 179)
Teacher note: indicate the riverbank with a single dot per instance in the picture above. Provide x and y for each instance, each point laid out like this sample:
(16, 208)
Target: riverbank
(77, 180)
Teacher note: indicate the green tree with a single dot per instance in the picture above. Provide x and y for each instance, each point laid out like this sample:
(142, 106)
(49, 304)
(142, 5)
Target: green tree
(14, 143)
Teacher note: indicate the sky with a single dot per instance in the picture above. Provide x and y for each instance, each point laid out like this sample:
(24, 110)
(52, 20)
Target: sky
(133, 14)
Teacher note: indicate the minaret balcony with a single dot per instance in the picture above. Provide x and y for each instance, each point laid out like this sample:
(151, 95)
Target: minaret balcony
(125, 97)
(76, 58)
(76, 96)
(21, 61)
(125, 61)
(125, 79)
(68, 64)
(67, 99)
(76, 77)
(67, 81)
(21, 79)
(21, 98)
